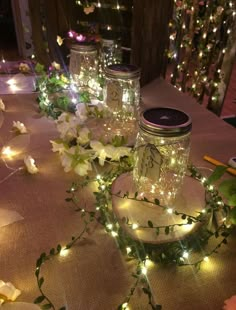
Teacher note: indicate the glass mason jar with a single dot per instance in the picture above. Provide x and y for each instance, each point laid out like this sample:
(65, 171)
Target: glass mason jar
(110, 53)
(161, 153)
(84, 65)
(121, 91)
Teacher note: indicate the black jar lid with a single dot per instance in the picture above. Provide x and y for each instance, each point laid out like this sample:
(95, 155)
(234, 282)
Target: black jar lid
(122, 71)
(166, 122)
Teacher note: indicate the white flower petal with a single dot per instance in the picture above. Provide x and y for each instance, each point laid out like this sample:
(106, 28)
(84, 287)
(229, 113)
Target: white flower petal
(30, 164)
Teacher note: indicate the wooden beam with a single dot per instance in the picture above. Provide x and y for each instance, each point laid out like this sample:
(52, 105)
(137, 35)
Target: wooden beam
(150, 37)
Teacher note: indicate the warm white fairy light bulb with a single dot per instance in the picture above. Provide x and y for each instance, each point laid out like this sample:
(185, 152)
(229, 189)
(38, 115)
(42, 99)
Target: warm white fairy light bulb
(144, 270)
(170, 210)
(7, 152)
(114, 234)
(206, 259)
(109, 226)
(64, 252)
(134, 226)
(185, 254)
(128, 250)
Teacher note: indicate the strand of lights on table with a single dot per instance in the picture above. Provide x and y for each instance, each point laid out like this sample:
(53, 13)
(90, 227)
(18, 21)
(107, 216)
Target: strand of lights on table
(200, 78)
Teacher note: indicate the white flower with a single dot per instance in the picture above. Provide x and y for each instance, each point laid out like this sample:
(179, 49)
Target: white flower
(67, 125)
(56, 65)
(23, 67)
(109, 151)
(20, 127)
(230, 304)
(83, 137)
(67, 159)
(8, 291)
(83, 168)
(30, 164)
(81, 113)
(2, 105)
(58, 147)
(100, 152)
(59, 40)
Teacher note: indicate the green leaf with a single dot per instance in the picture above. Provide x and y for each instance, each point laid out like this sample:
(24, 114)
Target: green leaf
(224, 241)
(167, 230)
(146, 291)
(232, 215)
(39, 299)
(40, 282)
(157, 202)
(62, 308)
(150, 224)
(228, 188)
(216, 174)
(232, 200)
(59, 248)
(157, 231)
(52, 251)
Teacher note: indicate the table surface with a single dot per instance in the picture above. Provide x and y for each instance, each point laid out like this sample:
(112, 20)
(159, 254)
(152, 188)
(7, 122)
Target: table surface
(95, 275)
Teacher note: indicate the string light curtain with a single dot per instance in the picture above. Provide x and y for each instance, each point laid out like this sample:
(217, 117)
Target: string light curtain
(202, 49)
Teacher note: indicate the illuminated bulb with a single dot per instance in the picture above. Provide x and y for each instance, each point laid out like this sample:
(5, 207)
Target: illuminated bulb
(204, 35)
(203, 211)
(175, 55)
(170, 210)
(7, 151)
(109, 226)
(97, 208)
(203, 180)
(74, 100)
(206, 259)
(215, 84)
(64, 252)
(185, 254)
(153, 189)
(223, 51)
(211, 187)
(211, 17)
(117, 7)
(205, 79)
(162, 141)
(218, 70)
(183, 27)
(228, 31)
(114, 234)
(108, 27)
(171, 75)
(144, 270)
(128, 250)
(99, 4)
(83, 210)
(134, 226)
(224, 219)
(32, 56)
(231, 4)
(103, 187)
(125, 306)
(234, 13)
(194, 86)
(98, 177)
(215, 29)
(180, 89)
(200, 54)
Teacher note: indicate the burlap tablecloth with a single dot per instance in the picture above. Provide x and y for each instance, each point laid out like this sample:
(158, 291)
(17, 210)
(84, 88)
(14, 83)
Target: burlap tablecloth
(95, 276)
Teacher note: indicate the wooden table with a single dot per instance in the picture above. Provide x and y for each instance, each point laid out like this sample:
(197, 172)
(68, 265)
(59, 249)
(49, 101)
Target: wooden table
(94, 275)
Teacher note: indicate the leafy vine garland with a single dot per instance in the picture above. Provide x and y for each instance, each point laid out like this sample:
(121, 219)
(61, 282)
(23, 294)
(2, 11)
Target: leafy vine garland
(170, 253)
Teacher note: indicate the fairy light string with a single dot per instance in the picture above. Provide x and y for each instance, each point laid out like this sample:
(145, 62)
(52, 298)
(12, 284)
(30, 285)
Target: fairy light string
(178, 253)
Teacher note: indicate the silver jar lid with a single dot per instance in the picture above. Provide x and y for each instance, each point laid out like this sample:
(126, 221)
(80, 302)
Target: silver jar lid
(122, 71)
(83, 48)
(166, 122)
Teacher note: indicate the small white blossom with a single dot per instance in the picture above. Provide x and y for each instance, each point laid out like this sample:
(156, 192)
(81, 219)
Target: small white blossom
(83, 137)
(20, 127)
(67, 125)
(59, 40)
(8, 291)
(23, 67)
(83, 168)
(30, 164)
(2, 105)
(56, 65)
(67, 159)
(58, 146)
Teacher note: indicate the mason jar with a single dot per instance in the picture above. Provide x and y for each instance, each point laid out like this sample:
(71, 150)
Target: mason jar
(110, 53)
(161, 153)
(121, 92)
(84, 64)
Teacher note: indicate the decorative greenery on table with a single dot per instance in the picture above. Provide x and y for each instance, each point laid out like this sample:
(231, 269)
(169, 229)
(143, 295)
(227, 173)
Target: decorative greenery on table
(171, 253)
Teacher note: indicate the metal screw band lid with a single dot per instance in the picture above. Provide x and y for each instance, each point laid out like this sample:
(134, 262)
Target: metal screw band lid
(166, 122)
(82, 48)
(122, 71)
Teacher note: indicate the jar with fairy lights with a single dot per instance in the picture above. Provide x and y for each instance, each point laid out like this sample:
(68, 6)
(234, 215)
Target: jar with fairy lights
(84, 66)
(161, 153)
(121, 90)
(110, 53)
